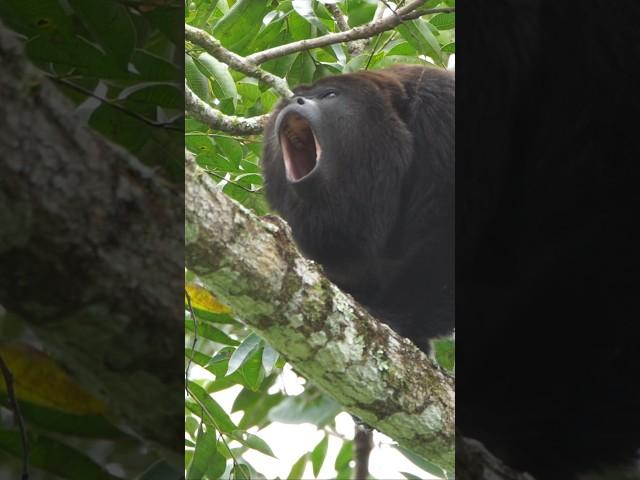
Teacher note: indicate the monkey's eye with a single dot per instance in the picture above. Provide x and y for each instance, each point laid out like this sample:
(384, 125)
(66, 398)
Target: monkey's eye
(329, 94)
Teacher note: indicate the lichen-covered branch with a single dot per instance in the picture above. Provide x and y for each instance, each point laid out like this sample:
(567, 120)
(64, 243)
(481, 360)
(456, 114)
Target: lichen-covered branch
(213, 47)
(252, 265)
(408, 12)
(217, 120)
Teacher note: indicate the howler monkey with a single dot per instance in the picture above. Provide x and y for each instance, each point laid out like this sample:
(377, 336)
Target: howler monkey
(362, 168)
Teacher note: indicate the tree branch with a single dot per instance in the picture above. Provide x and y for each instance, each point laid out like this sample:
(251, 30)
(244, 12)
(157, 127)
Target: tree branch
(217, 120)
(355, 47)
(252, 266)
(408, 12)
(241, 64)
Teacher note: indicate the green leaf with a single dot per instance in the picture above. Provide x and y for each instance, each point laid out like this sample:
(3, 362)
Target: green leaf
(252, 372)
(241, 23)
(253, 441)
(221, 80)
(69, 52)
(318, 455)
(241, 471)
(203, 13)
(110, 25)
(230, 148)
(318, 411)
(269, 358)
(297, 470)
(151, 67)
(256, 406)
(35, 16)
(196, 79)
(206, 459)
(449, 48)
(418, 34)
(53, 457)
(215, 415)
(206, 330)
(242, 353)
(444, 21)
(345, 473)
(146, 98)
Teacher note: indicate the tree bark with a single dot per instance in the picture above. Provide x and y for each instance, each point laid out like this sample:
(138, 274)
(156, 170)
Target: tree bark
(252, 265)
(91, 250)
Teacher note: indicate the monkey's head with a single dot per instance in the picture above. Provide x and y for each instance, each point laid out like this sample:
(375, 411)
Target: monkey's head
(334, 158)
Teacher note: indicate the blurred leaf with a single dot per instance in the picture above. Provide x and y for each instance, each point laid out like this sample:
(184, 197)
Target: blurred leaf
(56, 421)
(40, 381)
(53, 457)
(35, 16)
(160, 470)
(410, 476)
(318, 411)
(111, 26)
(345, 455)
(68, 52)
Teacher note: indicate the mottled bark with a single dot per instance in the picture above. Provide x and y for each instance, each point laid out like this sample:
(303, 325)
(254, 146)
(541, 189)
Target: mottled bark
(252, 265)
(91, 253)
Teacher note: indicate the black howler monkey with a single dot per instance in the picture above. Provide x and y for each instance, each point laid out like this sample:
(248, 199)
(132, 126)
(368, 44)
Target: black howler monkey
(362, 168)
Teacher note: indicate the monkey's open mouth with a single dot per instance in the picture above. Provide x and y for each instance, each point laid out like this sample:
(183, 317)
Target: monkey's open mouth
(300, 147)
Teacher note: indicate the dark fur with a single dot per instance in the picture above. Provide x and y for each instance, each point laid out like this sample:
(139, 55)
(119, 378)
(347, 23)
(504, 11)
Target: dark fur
(378, 212)
(548, 331)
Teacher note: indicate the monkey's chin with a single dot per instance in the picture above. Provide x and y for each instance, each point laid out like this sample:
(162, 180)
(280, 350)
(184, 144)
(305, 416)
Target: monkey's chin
(300, 147)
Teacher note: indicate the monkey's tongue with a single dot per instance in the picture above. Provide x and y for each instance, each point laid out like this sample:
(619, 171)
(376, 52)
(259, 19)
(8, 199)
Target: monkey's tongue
(300, 148)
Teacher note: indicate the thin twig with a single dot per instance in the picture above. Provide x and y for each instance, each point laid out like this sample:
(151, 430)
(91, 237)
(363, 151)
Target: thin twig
(214, 48)
(407, 12)
(17, 414)
(357, 46)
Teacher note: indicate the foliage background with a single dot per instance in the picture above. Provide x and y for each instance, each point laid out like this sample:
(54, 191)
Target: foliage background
(115, 62)
(222, 353)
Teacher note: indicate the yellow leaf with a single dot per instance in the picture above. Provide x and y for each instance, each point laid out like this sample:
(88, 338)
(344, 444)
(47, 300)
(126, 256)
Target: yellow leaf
(204, 300)
(39, 380)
